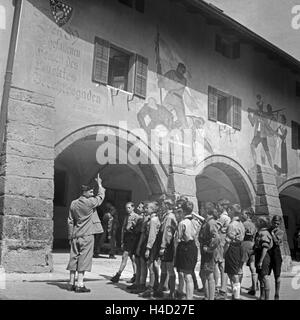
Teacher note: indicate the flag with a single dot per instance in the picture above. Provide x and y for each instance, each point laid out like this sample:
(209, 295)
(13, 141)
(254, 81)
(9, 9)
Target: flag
(61, 12)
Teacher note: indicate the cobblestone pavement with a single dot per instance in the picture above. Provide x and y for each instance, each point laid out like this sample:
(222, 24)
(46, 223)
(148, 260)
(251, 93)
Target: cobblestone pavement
(52, 286)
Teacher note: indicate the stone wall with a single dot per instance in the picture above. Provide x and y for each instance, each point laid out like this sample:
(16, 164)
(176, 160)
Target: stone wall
(268, 203)
(26, 183)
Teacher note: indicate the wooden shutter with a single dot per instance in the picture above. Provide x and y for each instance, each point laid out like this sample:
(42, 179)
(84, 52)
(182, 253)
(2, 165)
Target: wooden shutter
(235, 50)
(236, 113)
(140, 79)
(212, 104)
(219, 46)
(140, 5)
(297, 88)
(295, 135)
(101, 61)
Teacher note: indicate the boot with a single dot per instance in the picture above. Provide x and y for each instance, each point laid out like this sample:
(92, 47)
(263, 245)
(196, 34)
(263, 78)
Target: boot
(115, 278)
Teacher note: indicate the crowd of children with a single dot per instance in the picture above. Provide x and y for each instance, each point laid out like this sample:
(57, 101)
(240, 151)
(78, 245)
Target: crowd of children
(165, 238)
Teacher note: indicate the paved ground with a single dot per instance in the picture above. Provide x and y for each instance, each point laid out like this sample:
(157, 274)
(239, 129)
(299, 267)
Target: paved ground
(53, 286)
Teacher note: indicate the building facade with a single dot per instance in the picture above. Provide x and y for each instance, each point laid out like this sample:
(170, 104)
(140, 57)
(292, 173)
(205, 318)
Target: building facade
(98, 86)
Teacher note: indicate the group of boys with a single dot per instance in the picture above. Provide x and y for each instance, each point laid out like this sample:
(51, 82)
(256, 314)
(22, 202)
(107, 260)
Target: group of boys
(165, 235)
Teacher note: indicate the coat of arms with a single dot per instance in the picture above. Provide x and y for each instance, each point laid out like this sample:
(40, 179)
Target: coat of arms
(61, 12)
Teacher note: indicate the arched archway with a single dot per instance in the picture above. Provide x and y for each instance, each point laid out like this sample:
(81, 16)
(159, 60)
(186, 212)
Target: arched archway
(76, 163)
(289, 195)
(219, 177)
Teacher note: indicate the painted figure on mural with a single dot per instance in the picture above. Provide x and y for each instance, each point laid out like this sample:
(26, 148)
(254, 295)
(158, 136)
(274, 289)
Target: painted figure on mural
(280, 162)
(174, 82)
(153, 116)
(262, 130)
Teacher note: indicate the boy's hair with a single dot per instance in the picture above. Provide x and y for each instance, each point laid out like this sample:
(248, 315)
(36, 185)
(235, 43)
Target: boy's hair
(209, 206)
(169, 203)
(88, 187)
(276, 218)
(187, 207)
(213, 212)
(224, 203)
(180, 202)
(263, 222)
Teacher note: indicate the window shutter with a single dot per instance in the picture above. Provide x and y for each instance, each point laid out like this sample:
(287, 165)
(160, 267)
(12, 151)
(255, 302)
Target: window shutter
(140, 79)
(237, 113)
(212, 104)
(295, 135)
(229, 110)
(297, 88)
(140, 5)
(235, 50)
(219, 46)
(101, 61)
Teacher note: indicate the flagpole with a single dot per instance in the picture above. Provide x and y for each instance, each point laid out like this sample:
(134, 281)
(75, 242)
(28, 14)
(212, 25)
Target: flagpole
(158, 62)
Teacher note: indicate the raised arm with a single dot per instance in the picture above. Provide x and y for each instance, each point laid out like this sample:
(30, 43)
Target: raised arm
(98, 199)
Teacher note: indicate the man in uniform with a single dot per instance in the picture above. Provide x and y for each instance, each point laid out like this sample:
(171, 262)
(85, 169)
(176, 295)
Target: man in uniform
(81, 229)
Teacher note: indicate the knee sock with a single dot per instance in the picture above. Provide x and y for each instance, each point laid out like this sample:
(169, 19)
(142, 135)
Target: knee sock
(236, 290)
(163, 277)
(172, 283)
(254, 281)
(80, 279)
(262, 290)
(277, 287)
(72, 277)
(211, 289)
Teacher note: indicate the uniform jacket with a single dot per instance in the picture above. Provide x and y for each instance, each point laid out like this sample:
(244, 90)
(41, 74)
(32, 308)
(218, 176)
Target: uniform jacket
(83, 219)
(154, 225)
(168, 229)
(209, 235)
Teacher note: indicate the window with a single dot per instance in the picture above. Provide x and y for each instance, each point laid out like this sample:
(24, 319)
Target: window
(228, 47)
(224, 108)
(297, 88)
(119, 68)
(139, 5)
(295, 135)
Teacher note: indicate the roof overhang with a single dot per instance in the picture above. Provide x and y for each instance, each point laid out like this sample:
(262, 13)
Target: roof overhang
(215, 16)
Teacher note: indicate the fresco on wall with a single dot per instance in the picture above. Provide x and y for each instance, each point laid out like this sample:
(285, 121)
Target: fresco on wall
(177, 108)
(270, 133)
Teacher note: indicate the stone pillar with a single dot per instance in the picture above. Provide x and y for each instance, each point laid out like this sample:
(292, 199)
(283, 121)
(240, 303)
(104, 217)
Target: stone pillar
(268, 203)
(179, 183)
(26, 184)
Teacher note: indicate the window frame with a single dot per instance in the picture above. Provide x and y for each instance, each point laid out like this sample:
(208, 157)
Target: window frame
(222, 42)
(101, 66)
(297, 88)
(138, 5)
(295, 132)
(233, 115)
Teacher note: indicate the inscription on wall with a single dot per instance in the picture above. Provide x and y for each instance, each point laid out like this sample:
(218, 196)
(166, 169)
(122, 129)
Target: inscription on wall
(57, 63)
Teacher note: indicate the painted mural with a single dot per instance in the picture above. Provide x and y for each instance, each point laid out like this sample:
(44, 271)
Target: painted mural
(177, 108)
(269, 138)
